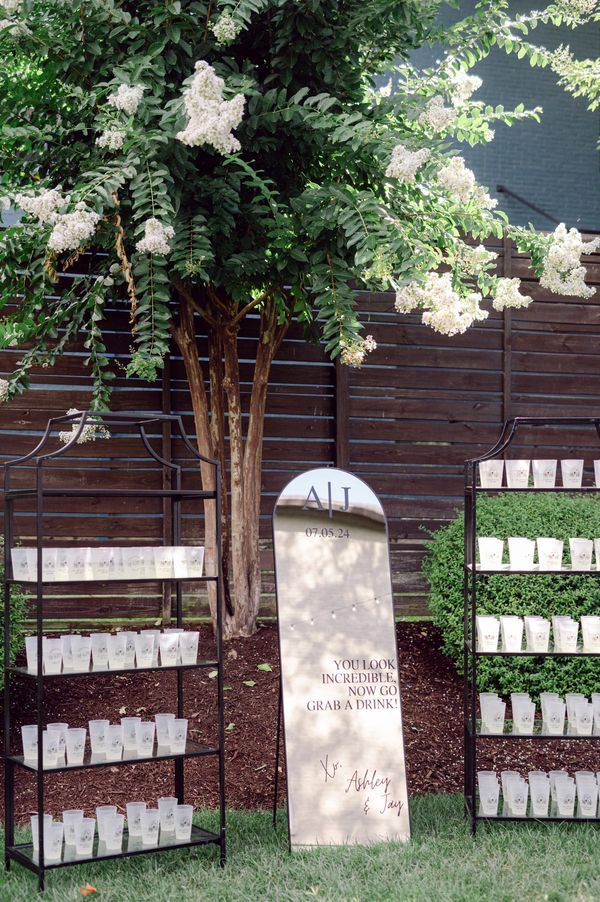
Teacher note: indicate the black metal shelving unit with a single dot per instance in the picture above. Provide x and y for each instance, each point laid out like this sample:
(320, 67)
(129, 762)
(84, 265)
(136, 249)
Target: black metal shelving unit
(36, 462)
(472, 573)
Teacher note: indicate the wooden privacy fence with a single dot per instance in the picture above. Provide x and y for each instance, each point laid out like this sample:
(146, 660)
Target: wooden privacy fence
(404, 422)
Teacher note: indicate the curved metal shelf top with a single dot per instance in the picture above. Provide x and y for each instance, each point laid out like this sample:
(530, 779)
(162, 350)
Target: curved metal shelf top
(511, 426)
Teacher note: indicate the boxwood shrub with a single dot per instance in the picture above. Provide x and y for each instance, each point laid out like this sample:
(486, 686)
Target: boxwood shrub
(533, 515)
(18, 610)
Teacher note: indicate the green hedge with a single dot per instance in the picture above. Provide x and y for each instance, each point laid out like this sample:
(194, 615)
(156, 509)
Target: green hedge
(560, 516)
(18, 609)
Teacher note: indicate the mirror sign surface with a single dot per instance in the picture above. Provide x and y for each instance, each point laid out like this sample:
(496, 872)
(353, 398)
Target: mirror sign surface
(346, 777)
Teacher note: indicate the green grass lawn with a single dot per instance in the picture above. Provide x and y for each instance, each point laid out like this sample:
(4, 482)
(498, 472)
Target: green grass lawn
(443, 862)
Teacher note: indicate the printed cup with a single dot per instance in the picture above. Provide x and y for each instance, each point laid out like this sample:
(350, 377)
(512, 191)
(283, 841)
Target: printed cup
(100, 650)
(178, 735)
(490, 473)
(67, 653)
(62, 565)
(81, 651)
(24, 564)
(144, 651)
(565, 796)
(155, 636)
(587, 799)
(52, 655)
(544, 473)
(84, 836)
(116, 651)
(103, 812)
(565, 635)
(521, 552)
(148, 555)
(572, 473)
(539, 791)
(581, 553)
(31, 653)
(53, 841)
(167, 806)
(71, 818)
(523, 716)
(150, 826)
(493, 710)
(169, 649)
(114, 742)
(180, 562)
(597, 472)
(79, 564)
(134, 563)
(29, 735)
(553, 776)
(517, 792)
(75, 740)
(490, 552)
(99, 736)
(505, 776)
(61, 729)
(550, 553)
(488, 629)
(517, 473)
(113, 832)
(134, 817)
(512, 633)
(572, 699)
(183, 822)
(100, 561)
(584, 718)
(188, 646)
(489, 793)
(129, 725)
(545, 698)
(117, 567)
(554, 717)
(49, 560)
(35, 829)
(163, 562)
(162, 728)
(194, 556)
(590, 631)
(129, 648)
(50, 743)
(144, 734)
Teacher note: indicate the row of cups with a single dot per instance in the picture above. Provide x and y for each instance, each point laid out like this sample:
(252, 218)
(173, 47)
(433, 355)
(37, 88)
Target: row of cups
(544, 794)
(521, 553)
(140, 562)
(118, 651)
(132, 737)
(169, 820)
(582, 716)
(544, 473)
(565, 632)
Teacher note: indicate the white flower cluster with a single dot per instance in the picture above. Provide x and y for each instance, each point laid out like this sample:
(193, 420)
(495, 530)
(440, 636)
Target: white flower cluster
(562, 272)
(463, 85)
(576, 10)
(404, 163)
(3, 390)
(459, 181)
(90, 432)
(443, 308)
(113, 138)
(353, 354)
(156, 238)
(71, 230)
(474, 259)
(11, 7)
(508, 295)
(436, 116)
(42, 205)
(127, 99)
(212, 118)
(225, 29)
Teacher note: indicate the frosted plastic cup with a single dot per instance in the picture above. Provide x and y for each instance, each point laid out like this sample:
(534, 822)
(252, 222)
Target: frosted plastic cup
(188, 646)
(194, 555)
(84, 836)
(62, 565)
(150, 826)
(490, 473)
(81, 652)
(597, 472)
(493, 711)
(554, 717)
(517, 791)
(505, 775)
(545, 698)
(568, 633)
(521, 552)
(53, 841)
(581, 553)
(116, 651)
(553, 776)
(155, 638)
(163, 562)
(180, 563)
(523, 717)
(67, 653)
(183, 822)
(100, 650)
(144, 651)
(539, 791)
(144, 734)
(169, 649)
(129, 725)
(488, 630)
(31, 653)
(99, 736)
(166, 808)
(517, 473)
(489, 793)
(134, 817)
(512, 633)
(52, 655)
(565, 797)
(584, 718)
(100, 559)
(587, 799)
(35, 829)
(117, 567)
(537, 632)
(24, 563)
(134, 564)
(71, 818)
(178, 735)
(572, 699)
(75, 739)
(162, 728)
(113, 832)
(61, 729)
(544, 473)
(29, 735)
(78, 560)
(129, 648)
(550, 553)
(114, 742)
(572, 473)
(490, 552)
(50, 743)
(102, 813)
(49, 558)
(590, 631)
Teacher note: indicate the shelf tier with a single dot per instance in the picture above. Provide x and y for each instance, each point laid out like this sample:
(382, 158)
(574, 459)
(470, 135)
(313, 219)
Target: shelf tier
(113, 582)
(532, 488)
(192, 750)
(506, 568)
(530, 819)
(111, 493)
(23, 852)
(537, 733)
(105, 671)
(580, 653)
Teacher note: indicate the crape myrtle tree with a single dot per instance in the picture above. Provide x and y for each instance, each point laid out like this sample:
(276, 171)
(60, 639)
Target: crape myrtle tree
(218, 160)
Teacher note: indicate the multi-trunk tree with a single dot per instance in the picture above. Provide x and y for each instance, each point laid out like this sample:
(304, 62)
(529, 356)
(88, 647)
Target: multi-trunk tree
(206, 161)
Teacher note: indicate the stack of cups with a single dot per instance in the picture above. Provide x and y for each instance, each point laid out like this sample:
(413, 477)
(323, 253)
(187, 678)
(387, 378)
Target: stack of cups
(523, 712)
(511, 628)
(489, 792)
(544, 473)
(515, 792)
(553, 713)
(596, 707)
(566, 631)
(537, 633)
(490, 473)
(517, 474)
(521, 552)
(587, 793)
(491, 551)
(550, 553)
(590, 631)
(488, 629)
(71, 821)
(581, 553)
(539, 792)
(563, 794)
(492, 710)
(573, 700)
(572, 473)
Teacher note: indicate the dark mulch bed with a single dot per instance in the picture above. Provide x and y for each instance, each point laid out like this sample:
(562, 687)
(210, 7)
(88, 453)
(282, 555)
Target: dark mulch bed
(432, 709)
